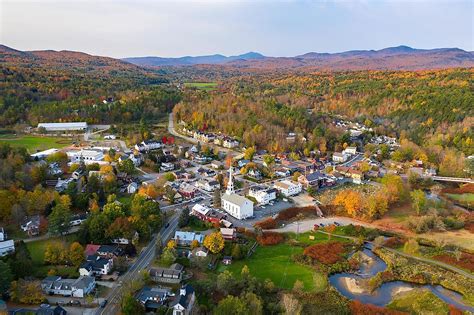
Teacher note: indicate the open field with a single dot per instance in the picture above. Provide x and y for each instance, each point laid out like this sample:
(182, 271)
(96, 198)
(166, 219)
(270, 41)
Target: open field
(464, 198)
(208, 86)
(34, 143)
(461, 238)
(419, 302)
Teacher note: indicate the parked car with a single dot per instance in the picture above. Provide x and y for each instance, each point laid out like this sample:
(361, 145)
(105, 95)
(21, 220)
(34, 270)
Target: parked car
(103, 303)
(337, 223)
(75, 303)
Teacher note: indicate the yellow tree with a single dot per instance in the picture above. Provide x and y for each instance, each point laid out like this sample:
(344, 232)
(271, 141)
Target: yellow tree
(350, 200)
(76, 253)
(171, 244)
(214, 242)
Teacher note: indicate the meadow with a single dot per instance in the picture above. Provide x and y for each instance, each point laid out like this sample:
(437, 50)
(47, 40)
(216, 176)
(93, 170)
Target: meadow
(207, 86)
(35, 143)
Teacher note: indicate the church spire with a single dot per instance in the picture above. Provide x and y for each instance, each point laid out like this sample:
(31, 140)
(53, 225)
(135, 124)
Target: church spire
(230, 183)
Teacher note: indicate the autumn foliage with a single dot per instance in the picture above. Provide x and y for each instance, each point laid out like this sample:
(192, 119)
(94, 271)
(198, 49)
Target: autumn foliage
(270, 238)
(292, 212)
(266, 224)
(326, 253)
(358, 308)
(466, 261)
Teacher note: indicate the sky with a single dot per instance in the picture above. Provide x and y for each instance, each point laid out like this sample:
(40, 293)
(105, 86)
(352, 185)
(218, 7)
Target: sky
(126, 28)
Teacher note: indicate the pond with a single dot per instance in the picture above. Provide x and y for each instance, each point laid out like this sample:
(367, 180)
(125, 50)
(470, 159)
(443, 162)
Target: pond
(348, 285)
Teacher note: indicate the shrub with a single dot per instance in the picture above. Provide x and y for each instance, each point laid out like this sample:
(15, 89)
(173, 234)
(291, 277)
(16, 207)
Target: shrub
(358, 308)
(394, 242)
(466, 260)
(326, 253)
(266, 224)
(292, 212)
(270, 238)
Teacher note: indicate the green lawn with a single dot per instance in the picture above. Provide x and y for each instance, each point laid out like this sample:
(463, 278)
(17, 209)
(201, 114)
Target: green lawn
(467, 197)
(274, 263)
(419, 302)
(208, 86)
(34, 143)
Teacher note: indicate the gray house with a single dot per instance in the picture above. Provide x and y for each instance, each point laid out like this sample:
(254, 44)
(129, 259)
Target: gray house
(173, 274)
(68, 287)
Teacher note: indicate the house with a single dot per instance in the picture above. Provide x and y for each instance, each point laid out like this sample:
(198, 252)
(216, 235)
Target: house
(262, 194)
(78, 219)
(109, 251)
(173, 274)
(135, 158)
(282, 172)
(243, 162)
(79, 287)
(237, 206)
(201, 159)
(153, 298)
(288, 188)
(339, 157)
(87, 156)
(255, 173)
(186, 238)
(184, 303)
(31, 225)
(95, 266)
(71, 126)
(110, 137)
(315, 179)
(350, 151)
(356, 175)
(132, 188)
(166, 167)
(187, 191)
(228, 234)
(227, 260)
(148, 145)
(208, 185)
(230, 143)
(42, 310)
(91, 249)
(207, 214)
(6, 246)
(61, 185)
(200, 252)
(217, 165)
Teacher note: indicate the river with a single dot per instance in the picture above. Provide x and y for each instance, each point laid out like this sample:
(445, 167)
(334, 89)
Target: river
(348, 285)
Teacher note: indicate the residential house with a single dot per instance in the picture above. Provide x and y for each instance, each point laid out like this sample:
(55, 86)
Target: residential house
(68, 287)
(61, 185)
(166, 167)
(199, 252)
(42, 310)
(173, 274)
(262, 194)
(95, 266)
(230, 143)
(187, 191)
(350, 151)
(78, 219)
(152, 298)
(31, 225)
(91, 249)
(228, 234)
(132, 188)
(207, 214)
(6, 246)
(109, 251)
(254, 173)
(184, 303)
(148, 145)
(208, 185)
(217, 165)
(186, 238)
(243, 162)
(356, 175)
(339, 157)
(315, 179)
(288, 188)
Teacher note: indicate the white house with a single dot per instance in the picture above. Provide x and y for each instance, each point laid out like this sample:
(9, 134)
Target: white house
(237, 206)
(263, 195)
(166, 167)
(288, 188)
(230, 143)
(68, 287)
(95, 266)
(208, 185)
(71, 126)
(184, 303)
(6, 246)
(340, 157)
(199, 252)
(350, 151)
(86, 156)
(132, 188)
(148, 145)
(186, 238)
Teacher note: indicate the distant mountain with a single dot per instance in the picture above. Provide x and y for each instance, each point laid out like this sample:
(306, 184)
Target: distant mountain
(189, 60)
(391, 58)
(70, 60)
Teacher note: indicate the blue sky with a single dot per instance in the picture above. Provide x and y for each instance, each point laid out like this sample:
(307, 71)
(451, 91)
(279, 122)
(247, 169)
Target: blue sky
(276, 28)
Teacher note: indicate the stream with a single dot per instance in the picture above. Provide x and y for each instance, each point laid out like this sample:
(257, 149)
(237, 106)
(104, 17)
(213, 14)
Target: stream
(347, 284)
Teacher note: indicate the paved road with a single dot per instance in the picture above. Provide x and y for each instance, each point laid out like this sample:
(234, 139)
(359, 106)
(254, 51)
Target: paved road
(143, 261)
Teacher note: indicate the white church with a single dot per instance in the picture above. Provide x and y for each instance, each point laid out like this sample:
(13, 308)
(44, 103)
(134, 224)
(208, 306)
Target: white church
(237, 206)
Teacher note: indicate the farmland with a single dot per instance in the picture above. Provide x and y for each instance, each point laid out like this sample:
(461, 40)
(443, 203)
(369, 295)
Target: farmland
(34, 143)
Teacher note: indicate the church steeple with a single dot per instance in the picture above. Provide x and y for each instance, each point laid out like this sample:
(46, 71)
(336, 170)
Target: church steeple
(230, 183)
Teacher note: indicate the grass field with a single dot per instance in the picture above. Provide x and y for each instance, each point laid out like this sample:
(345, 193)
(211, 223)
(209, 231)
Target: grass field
(208, 86)
(34, 143)
(464, 198)
(419, 302)
(37, 250)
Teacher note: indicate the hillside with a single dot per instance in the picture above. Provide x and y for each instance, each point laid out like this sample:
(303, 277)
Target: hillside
(392, 58)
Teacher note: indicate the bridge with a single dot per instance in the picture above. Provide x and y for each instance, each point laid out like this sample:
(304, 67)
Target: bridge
(452, 179)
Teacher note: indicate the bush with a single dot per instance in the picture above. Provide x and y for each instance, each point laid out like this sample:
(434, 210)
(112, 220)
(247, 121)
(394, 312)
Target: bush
(292, 212)
(270, 238)
(326, 253)
(358, 308)
(394, 242)
(266, 224)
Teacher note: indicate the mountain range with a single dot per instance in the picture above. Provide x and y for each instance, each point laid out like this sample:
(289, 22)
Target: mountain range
(392, 58)
(395, 58)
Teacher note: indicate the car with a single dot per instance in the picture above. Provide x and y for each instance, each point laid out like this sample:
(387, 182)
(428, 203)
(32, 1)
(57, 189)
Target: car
(337, 223)
(167, 225)
(74, 302)
(322, 225)
(103, 303)
(44, 305)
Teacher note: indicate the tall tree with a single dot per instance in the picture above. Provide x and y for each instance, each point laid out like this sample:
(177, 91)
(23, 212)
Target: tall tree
(59, 221)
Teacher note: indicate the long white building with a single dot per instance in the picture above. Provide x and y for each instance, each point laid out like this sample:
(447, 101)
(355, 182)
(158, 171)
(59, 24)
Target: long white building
(70, 126)
(237, 206)
(86, 156)
(288, 188)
